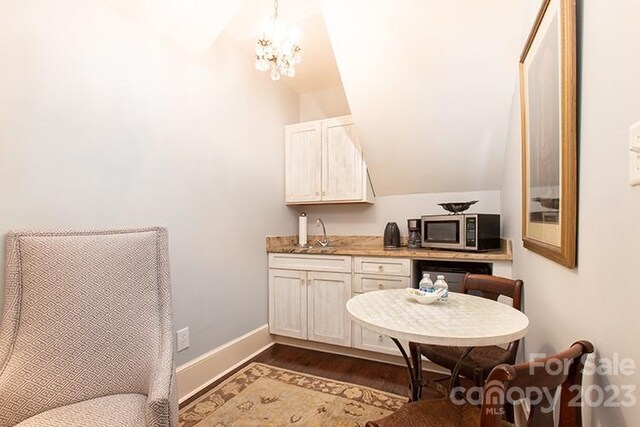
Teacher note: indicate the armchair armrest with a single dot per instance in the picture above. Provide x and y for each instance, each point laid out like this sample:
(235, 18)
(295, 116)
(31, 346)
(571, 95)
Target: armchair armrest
(162, 398)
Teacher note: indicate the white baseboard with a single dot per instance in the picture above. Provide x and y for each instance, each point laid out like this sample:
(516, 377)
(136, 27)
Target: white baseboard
(202, 371)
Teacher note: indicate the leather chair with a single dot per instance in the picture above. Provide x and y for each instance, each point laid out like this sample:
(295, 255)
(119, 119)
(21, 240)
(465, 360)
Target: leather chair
(538, 380)
(86, 335)
(481, 360)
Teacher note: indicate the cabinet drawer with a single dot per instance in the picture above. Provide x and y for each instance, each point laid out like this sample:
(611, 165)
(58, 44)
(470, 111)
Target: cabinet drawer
(365, 339)
(337, 263)
(373, 282)
(392, 266)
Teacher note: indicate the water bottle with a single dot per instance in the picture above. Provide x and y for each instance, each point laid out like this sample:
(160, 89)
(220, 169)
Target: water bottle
(441, 284)
(426, 285)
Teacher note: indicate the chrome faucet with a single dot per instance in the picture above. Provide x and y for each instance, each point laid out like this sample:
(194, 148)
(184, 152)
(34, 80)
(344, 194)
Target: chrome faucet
(324, 242)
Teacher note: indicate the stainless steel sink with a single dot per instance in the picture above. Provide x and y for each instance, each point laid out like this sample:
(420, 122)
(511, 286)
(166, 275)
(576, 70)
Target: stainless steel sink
(322, 247)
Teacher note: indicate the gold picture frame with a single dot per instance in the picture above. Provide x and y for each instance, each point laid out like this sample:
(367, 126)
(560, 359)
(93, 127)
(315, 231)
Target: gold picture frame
(549, 143)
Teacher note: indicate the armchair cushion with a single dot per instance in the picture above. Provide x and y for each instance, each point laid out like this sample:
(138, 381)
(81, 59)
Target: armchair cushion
(122, 410)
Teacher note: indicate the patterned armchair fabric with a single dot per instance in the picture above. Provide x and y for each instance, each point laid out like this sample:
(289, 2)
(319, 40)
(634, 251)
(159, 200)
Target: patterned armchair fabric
(86, 335)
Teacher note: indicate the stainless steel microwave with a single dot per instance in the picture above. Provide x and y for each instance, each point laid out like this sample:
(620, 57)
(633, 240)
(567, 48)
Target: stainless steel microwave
(462, 232)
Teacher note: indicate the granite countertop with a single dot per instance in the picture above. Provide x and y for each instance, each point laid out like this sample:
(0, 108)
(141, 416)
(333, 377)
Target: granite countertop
(372, 246)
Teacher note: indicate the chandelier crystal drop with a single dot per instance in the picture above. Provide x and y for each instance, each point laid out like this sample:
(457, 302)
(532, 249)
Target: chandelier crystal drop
(277, 50)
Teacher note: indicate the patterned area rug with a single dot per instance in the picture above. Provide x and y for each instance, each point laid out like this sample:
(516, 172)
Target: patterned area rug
(263, 395)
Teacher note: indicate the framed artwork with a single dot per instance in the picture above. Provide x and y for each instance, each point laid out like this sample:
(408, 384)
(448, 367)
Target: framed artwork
(548, 115)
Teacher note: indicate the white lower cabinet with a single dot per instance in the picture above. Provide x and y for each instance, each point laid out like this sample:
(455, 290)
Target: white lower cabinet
(373, 274)
(310, 304)
(288, 303)
(363, 338)
(327, 317)
(308, 296)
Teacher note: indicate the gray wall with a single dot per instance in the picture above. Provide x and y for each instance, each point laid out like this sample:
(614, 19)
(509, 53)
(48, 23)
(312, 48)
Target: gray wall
(104, 125)
(597, 301)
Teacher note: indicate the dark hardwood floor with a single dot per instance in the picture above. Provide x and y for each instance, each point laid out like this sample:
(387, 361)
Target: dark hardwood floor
(381, 376)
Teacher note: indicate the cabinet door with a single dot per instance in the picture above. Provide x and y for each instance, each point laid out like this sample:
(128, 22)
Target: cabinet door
(328, 320)
(288, 303)
(343, 172)
(303, 159)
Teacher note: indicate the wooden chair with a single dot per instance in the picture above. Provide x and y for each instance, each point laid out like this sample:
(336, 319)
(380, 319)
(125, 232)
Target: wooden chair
(538, 381)
(481, 360)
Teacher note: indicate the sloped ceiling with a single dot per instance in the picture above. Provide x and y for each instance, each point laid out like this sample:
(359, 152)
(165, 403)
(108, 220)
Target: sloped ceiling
(429, 82)
(193, 24)
(430, 85)
(318, 69)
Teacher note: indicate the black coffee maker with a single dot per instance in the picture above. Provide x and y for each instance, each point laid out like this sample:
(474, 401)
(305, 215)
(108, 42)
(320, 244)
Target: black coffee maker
(415, 238)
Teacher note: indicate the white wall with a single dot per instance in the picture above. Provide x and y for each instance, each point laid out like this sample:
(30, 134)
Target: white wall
(370, 220)
(599, 300)
(105, 125)
(323, 104)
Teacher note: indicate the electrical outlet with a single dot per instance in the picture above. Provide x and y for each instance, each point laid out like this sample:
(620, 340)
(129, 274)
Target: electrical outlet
(183, 339)
(634, 155)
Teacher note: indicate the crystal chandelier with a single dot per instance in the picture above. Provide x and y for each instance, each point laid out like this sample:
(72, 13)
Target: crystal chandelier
(277, 50)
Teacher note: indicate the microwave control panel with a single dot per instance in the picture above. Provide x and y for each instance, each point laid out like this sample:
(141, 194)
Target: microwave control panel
(470, 232)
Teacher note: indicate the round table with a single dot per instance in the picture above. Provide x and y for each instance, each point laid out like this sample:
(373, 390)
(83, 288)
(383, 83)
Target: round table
(464, 321)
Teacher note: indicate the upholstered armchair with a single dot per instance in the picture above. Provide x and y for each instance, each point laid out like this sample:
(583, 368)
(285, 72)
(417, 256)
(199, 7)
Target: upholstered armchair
(86, 335)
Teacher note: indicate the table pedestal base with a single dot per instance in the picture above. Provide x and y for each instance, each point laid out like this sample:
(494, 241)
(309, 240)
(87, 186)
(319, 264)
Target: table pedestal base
(414, 367)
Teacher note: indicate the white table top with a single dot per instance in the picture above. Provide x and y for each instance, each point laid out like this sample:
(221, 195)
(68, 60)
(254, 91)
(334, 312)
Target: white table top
(464, 321)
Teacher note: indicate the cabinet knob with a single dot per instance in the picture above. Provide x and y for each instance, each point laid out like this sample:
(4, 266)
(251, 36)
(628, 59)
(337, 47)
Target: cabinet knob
(380, 268)
(380, 337)
(380, 285)
(324, 193)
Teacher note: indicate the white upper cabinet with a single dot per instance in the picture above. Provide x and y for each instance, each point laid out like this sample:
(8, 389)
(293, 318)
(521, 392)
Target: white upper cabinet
(343, 171)
(303, 158)
(324, 163)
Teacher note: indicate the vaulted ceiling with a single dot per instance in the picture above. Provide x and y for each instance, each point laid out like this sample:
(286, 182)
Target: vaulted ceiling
(193, 24)
(430, 83)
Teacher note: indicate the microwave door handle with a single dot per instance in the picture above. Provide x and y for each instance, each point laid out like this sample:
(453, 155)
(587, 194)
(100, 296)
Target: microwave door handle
(463, 233)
